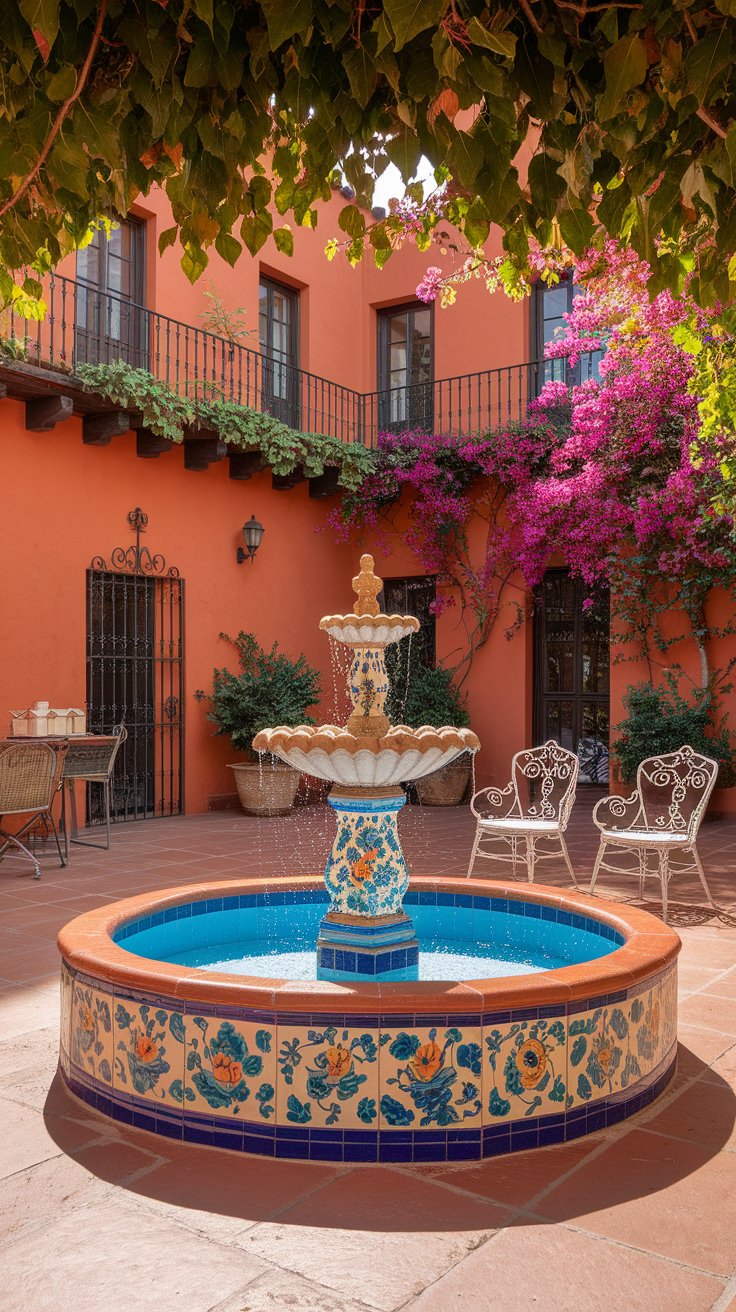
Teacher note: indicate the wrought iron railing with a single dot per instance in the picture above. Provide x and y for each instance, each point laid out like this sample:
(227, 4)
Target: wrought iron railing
(86, 325)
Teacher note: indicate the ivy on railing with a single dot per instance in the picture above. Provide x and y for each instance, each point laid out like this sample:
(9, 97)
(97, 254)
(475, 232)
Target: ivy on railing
(168, 414)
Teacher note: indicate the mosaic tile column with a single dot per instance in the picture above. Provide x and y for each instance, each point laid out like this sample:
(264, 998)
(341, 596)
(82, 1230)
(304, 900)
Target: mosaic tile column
(366, 930)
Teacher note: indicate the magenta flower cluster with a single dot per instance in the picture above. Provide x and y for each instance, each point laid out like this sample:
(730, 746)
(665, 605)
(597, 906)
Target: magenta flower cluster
(597, 473)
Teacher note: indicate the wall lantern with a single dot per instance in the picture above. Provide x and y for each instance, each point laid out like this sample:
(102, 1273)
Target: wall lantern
(252, 534)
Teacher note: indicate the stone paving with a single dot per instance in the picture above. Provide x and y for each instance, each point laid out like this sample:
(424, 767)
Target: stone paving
(98, 1218)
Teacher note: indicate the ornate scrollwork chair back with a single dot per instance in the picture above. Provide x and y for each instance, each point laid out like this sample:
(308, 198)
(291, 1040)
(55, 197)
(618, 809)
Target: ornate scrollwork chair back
(527, 819)
(660, 818)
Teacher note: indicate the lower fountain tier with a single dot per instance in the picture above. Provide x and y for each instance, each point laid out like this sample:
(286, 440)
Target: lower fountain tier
(382, 947)
(363, 761)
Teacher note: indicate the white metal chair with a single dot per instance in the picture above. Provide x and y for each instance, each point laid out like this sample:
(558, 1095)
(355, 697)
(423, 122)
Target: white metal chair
(533, 809)
(662, 816)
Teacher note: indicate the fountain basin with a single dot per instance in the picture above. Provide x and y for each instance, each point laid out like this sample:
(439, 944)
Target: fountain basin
(354, 761)
(391, 1072)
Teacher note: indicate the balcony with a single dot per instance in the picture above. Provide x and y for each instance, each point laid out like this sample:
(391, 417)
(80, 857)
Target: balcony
(84, 325)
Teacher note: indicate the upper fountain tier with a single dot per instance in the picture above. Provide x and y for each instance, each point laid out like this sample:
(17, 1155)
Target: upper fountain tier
(367, 626)
(368, 752)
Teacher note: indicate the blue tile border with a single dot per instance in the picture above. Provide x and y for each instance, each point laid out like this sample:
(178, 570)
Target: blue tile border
(304, 1143)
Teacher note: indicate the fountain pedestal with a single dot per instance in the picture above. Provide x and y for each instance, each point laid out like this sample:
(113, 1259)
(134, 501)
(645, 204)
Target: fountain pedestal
(366, 930)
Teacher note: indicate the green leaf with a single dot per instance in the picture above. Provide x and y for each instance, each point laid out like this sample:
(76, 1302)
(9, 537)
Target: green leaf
(204, 10)
(194, 261)
(409, 17)
(41, 16)
(285, 17)
(255, 230)
(625, 65)
(404, 150)
(228, 247)
(361, 73)
(61, 85)
(502, 43)
(352, 221)
(576, 226)
(284, 239)
(167, 238)
(466, 158)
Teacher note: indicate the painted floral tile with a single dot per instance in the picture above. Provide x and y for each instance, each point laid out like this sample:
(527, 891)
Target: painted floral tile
(91, 1036)
(66, 1010)
(525, 1070)
(612, 1048)
(327, 1077)
(431, 1077)
(149, 1052)
(230, 1068)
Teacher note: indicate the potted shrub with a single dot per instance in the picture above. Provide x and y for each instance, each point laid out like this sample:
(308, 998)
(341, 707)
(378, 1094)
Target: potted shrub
(432, 698)
(660, 720)
(270, 689)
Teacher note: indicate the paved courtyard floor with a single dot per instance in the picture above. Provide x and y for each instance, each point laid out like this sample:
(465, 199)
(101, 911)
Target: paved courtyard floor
(98, 1218)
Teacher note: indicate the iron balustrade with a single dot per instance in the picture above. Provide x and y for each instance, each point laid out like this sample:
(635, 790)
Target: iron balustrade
(86, 325)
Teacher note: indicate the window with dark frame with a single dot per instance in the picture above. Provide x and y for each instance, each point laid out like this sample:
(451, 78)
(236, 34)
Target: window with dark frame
(278, 337)
(110, 318)
(405, 367)
(549, 305)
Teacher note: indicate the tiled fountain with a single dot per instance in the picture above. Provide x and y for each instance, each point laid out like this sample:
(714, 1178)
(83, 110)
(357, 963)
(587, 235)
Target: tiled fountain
(367, 761)
(365, 1016)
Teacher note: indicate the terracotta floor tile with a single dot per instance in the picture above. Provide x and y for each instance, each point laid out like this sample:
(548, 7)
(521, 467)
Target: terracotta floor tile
(558, 1270)
(704, 1113)
(110, 1257)
(514, 1180)
(700, 1046)
(381, 1234)
(713, 1013)
(690, 978)
(34, 1197)
(223, 1194)
(280, 1291)
(655, 1193)
(724, 986)
(26, 1139)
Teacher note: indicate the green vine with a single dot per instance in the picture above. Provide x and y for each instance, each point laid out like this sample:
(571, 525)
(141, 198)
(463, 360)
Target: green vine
(168, 414)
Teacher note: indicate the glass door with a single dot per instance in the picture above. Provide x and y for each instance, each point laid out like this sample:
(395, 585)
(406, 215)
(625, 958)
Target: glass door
(111, 322)
(549, 307)
(571, 672)
(405, 368)
(278, 334)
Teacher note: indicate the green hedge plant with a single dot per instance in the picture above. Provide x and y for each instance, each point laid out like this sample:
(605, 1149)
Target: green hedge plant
(270, 689)
(659, 719)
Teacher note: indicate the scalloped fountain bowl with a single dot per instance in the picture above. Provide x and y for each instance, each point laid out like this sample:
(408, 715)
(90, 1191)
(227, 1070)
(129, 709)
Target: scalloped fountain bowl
(244, 1059)
(331, 752)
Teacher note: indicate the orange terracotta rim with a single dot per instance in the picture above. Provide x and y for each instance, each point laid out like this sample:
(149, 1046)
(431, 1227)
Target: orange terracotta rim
(649, 948)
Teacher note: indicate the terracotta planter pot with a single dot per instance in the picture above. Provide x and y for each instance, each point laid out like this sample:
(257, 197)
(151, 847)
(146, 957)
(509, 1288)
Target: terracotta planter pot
(266, 789)
(445, 787)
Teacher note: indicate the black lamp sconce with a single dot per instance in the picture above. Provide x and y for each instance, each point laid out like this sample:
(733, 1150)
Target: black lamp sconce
(252, 534)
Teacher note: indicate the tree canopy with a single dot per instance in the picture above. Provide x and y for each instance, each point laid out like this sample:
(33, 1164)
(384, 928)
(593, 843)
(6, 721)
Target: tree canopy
(628, 110)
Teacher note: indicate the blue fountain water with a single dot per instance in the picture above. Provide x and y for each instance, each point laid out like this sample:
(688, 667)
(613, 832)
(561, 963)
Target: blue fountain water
(461, 937)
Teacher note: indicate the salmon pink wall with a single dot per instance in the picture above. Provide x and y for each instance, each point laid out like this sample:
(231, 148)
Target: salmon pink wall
(338, 304)
(65, 503)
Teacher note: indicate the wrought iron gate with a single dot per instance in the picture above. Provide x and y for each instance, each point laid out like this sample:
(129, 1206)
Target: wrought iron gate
(135, 676)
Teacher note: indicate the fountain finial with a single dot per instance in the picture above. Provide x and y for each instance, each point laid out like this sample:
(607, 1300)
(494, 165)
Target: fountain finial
(367, 586)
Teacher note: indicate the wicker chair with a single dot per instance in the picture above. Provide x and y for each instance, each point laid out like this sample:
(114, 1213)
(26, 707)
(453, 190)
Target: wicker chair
(533, 809)
(91, 763)
(29, 778)
(662, 816)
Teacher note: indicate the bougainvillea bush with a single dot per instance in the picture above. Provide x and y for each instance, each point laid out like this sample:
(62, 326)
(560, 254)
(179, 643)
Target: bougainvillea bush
(608, 477)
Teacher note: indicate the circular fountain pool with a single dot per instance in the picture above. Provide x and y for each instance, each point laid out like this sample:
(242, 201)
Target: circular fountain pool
(179, 1016)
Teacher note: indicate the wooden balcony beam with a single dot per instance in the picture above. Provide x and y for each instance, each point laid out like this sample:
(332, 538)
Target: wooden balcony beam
(203, 452)
(324, 485)
(100, 429)
(243, 464)
(44, 412)
(148, 445)
(284, 482)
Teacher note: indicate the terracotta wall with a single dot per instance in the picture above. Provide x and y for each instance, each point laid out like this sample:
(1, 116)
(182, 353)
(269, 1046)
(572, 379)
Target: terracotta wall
(338, 305)
(65, 502)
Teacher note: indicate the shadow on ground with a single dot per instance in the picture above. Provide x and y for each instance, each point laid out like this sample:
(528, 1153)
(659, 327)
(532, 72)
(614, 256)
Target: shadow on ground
(620, 1165)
